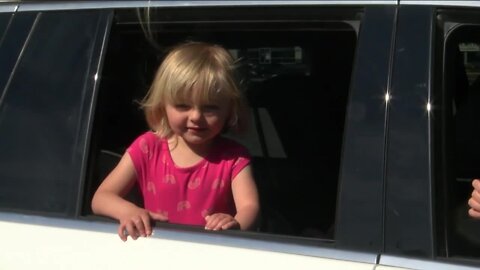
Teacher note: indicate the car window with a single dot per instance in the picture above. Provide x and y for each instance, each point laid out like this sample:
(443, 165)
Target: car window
(295, 72)
(458, 143)
(4, 22)
(47, 62)
(14, 36)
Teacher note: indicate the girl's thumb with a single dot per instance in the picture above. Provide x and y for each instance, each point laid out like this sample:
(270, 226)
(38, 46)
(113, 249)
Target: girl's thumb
(157, 216)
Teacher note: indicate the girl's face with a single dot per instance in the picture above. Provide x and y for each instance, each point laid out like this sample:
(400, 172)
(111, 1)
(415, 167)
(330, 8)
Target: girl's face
(197, 123)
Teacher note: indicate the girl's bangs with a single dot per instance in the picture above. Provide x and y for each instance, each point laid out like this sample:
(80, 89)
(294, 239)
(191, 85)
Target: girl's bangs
(203, 89)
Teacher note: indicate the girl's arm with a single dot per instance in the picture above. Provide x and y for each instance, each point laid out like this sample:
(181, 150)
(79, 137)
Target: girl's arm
(108, 201)
(245, 195)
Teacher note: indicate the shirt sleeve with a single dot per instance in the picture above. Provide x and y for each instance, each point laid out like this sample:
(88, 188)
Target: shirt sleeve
(140, 152)
(242, 160)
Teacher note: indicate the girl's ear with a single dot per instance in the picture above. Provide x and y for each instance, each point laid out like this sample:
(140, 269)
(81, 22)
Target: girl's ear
(230, 123)
(233, 121)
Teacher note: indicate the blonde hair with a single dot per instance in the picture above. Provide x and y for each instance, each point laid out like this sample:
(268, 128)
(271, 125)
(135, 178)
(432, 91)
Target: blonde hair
(206, 67)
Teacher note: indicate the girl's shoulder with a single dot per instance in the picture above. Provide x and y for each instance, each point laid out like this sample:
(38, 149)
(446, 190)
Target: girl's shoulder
(148, 145)
(150, 138)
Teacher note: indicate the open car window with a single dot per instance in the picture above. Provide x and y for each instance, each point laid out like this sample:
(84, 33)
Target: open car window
(295, 73)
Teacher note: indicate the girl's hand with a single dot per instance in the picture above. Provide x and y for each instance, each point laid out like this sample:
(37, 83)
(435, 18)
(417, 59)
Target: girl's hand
(136, 223)
(220, 221)
(474, 201)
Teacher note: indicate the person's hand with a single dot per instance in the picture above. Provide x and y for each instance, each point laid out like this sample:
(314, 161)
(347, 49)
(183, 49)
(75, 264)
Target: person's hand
(474, 201)
(220, 221)
(136, 223)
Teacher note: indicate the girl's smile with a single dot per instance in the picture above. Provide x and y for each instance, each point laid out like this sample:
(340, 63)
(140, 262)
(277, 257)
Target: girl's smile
(196, 129)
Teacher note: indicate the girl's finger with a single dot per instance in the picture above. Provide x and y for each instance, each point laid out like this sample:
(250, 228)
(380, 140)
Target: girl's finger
(224, 221)
(474, 213)
(212, 222)
(229, 225)
(476, 184)
(476, 195)
(131, 230)
(158, 216)
(121, 232)
(139, 226)
(147, 227)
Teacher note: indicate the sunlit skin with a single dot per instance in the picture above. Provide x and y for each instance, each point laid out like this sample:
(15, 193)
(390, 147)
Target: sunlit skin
(474, 201)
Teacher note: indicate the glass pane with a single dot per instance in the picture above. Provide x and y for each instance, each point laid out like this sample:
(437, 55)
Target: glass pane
(14, 38)
(41, 114)
(4, 19)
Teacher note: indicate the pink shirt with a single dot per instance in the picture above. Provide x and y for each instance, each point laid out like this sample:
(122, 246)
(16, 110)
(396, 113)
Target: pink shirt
(187, 194)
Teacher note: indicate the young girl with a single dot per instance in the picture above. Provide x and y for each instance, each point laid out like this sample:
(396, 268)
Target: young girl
(187, 172)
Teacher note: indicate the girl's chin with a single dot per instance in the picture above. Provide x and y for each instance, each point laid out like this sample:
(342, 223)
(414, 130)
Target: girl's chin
(195, 139)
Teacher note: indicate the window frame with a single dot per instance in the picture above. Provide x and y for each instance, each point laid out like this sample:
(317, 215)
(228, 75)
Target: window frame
(342, 12)
(347, 231)
(409, 184)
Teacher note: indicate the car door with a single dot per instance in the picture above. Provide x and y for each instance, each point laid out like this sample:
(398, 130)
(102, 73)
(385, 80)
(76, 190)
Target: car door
(431, 149)
(317, 80)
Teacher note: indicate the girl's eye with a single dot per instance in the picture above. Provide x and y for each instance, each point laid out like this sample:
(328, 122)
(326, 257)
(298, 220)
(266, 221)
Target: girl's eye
(211, 108)
(182, 107)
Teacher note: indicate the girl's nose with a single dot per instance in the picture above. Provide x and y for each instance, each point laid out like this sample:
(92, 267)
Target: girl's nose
(195, 114)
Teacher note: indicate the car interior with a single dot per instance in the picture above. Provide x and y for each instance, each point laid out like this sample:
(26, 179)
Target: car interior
(295, 75)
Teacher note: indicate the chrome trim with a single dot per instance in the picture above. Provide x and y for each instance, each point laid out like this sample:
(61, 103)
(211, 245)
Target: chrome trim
(74, 5)
(410, 263)
(212, 238)
(8, 7)
(441, 3)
